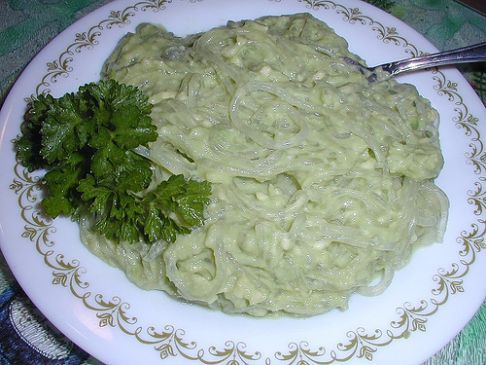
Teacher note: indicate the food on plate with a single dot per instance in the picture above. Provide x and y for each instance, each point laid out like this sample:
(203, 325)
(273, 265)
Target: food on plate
(85, 141)
(321, 183)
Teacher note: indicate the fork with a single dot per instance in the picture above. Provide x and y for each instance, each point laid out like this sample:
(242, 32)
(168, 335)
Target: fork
(474, 53)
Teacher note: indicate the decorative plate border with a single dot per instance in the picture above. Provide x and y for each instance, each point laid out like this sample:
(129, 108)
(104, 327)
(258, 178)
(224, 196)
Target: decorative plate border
(170, 341)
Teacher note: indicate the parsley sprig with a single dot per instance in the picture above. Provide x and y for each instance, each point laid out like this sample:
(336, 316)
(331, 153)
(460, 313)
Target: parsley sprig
(85, 141)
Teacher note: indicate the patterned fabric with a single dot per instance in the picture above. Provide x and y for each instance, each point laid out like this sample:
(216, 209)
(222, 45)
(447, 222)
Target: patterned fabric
(26, 26)
(26, 337)
(447, 25)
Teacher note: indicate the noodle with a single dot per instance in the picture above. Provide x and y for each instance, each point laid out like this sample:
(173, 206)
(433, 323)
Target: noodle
(322, 183)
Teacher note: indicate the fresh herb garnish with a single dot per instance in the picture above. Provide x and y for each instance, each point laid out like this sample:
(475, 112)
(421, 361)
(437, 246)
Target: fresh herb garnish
(85, 141)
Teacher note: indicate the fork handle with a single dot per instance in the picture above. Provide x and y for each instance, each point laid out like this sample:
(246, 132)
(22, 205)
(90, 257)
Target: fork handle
(474, 53)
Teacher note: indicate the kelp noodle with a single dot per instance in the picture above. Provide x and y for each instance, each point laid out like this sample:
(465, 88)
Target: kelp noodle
(322, 183)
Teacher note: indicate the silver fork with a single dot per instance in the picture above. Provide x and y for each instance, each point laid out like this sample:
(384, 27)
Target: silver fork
(474, 53)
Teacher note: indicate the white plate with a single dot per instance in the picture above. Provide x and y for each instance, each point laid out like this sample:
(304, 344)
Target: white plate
(429, 301)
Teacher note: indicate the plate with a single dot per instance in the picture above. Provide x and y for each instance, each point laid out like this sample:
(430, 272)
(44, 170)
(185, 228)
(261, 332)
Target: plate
(428, 302)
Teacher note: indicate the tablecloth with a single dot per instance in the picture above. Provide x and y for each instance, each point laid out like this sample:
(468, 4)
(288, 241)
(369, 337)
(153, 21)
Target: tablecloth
(26, 26)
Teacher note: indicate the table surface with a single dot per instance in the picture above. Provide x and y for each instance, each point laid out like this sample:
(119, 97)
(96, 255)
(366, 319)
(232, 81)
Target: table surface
(26, 26)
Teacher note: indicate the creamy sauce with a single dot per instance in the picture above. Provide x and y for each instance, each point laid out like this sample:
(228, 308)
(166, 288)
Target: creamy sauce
(322, 183)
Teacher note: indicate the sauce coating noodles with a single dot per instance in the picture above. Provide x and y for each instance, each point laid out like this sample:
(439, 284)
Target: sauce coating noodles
(322, 183)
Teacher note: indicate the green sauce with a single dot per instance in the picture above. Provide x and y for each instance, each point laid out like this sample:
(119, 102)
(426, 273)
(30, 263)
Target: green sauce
(322, 183)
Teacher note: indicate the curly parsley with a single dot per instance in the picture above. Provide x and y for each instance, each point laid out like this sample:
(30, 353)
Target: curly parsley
(85, 141)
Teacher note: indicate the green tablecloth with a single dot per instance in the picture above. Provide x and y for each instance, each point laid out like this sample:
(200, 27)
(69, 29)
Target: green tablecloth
(28, 25)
